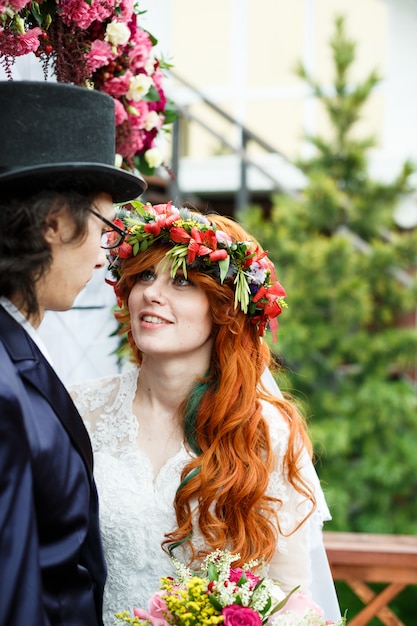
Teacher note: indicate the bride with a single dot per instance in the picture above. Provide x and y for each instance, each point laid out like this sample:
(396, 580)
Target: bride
(195, 448)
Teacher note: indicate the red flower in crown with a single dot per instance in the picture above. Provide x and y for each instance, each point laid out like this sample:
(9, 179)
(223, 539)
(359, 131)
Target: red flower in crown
(270, 293)
(268, 307)
(179, 235)
(125, 250)
(257, 257)
(201, 244)
(153, 228)
(218, 255)
(118, 222)
(161, 221)
(162, 208)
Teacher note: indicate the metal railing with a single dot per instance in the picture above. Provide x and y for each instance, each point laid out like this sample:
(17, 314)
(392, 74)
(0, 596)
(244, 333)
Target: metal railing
(360, 559)
(239, 149)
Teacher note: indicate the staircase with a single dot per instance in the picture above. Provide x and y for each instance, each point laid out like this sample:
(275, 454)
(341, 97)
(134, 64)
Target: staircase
(233, 177)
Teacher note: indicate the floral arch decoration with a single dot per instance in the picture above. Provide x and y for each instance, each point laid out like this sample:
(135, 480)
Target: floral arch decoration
(97, 44)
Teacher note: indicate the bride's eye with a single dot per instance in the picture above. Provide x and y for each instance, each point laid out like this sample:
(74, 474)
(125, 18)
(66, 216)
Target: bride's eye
(181, 281)
(146, 276)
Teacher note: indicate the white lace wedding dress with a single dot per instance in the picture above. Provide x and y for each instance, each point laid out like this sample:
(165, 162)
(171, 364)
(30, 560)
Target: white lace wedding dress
(136, 507)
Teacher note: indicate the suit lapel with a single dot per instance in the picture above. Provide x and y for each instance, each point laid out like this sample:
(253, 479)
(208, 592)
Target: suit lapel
(35, 369)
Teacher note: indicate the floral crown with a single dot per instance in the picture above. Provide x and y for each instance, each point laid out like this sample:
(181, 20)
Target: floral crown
(198, 244)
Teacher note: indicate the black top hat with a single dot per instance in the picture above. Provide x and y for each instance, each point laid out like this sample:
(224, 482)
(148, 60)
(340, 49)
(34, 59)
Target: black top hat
(60, 137)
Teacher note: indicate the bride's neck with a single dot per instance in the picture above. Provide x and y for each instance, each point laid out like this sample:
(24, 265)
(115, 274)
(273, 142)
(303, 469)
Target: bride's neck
(165, 384)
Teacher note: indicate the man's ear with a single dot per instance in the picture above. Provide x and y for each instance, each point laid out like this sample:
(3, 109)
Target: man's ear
(55, 226)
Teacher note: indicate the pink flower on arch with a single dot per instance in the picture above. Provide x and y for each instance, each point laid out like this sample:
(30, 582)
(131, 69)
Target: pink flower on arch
(158, 78)
(99, 55)
(137, 120)
(126, 10)
(82, 14)
(117, 86)
(120, 112)
(15, 5)
(129, 140)
(139, 49)
(21, 44)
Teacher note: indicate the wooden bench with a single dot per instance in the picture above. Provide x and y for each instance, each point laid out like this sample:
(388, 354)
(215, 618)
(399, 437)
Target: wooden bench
(359, 558)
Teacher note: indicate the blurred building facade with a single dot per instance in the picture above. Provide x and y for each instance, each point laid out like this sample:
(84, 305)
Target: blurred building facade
(240, 55)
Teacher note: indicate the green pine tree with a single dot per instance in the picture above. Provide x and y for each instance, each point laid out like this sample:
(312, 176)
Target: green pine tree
(348, 340)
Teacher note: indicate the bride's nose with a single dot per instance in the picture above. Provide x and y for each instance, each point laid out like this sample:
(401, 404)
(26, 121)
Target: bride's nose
(155, 291)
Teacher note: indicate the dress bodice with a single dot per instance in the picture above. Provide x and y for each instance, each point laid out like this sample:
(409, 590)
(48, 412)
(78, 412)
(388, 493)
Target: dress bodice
(136, 507)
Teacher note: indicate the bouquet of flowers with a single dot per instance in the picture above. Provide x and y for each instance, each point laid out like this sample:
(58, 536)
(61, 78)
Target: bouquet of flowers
(219, 593)
(97, 44)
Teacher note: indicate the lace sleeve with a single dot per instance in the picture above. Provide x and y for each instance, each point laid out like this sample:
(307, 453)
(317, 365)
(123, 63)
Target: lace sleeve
(105, 406)
(291, 564)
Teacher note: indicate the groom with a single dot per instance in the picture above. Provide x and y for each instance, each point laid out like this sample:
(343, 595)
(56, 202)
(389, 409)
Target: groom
(57, 187)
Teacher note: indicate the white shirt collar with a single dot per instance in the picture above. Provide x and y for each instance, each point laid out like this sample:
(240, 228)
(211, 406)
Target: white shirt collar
(26, 325)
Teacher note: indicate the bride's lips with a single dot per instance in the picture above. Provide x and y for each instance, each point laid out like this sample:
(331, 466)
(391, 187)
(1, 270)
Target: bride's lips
(151, 320)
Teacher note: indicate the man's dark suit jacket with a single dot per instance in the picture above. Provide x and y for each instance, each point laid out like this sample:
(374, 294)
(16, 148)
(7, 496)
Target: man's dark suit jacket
(52, 570)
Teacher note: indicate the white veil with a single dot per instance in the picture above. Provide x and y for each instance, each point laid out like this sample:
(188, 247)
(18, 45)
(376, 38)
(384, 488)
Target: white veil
(322, 589)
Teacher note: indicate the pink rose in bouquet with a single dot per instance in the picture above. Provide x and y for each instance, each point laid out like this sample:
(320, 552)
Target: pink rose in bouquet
(300, 610)
(236, 574)
(157, 610)
(300, 603)
(237, 615)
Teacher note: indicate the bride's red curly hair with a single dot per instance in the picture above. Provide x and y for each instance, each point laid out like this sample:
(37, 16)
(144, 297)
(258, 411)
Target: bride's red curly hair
(229, 478)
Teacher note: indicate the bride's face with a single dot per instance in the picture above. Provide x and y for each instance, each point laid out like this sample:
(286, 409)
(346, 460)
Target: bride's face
(170, 316)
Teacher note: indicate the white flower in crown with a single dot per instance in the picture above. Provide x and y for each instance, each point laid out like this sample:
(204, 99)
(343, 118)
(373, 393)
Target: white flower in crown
(139, 86)
(223, 238)
(256, 274)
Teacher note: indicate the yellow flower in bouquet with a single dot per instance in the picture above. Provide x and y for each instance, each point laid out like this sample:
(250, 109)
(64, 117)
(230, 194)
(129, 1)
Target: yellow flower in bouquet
(219, 593)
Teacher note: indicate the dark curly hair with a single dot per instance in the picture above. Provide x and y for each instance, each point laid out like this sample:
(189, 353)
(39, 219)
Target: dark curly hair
(25, 256)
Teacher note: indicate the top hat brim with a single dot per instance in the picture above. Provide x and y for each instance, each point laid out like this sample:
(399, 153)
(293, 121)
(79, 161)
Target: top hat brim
(83, 177)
